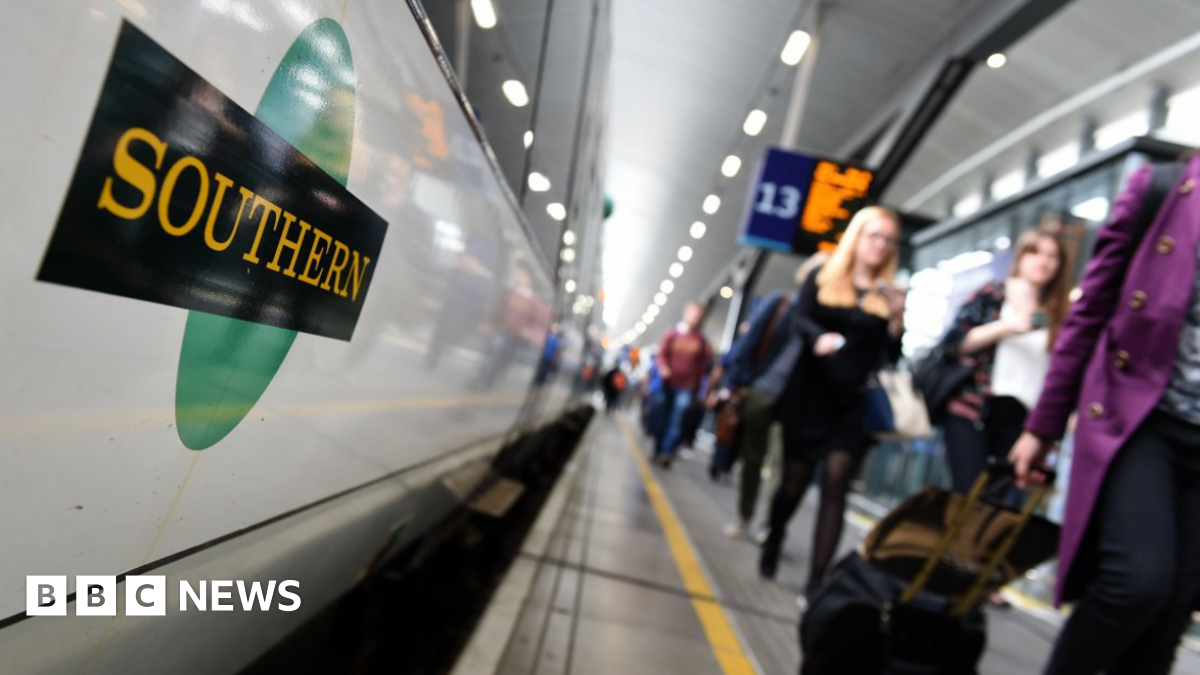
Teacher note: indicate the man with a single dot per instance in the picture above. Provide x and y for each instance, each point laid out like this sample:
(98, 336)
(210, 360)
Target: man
(760, 363)
(683, 359)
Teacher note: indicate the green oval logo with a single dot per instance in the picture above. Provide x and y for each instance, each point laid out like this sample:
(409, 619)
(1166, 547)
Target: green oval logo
(226, 364)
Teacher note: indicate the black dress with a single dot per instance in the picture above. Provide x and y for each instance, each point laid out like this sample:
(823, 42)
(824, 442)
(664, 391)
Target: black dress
(823, 406)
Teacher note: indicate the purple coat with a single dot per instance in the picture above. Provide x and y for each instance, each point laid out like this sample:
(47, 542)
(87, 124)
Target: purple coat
(1114, 354)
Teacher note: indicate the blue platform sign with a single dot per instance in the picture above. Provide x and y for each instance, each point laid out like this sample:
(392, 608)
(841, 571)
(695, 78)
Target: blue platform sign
(801, 203)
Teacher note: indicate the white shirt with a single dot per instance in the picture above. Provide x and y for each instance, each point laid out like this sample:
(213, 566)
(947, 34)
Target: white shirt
(1021, 363)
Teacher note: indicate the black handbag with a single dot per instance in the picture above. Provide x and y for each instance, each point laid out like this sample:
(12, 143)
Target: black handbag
(939, 376)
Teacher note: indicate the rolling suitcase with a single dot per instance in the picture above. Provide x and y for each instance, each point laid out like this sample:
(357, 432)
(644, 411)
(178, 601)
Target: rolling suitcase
(908, 602)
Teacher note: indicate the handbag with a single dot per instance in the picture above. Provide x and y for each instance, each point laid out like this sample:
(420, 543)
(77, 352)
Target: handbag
(729, 419)
(895, 408)
(939, 376)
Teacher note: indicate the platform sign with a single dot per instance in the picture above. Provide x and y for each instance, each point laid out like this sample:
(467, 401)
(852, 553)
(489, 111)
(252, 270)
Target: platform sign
(801, 203)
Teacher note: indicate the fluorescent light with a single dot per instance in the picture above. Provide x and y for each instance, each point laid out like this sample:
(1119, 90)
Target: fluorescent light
(685, 253)
(557, 211)
(485, 13)
(997, 61)
(570, 285)
(726, 292)
(796, 45)
(528, 139)
(660, 299)
(676, 270)
(698, 230)
(1094, 209)
(667, 286)
(711, 204)
(568, 237)
(755, 122)
(515, 92)
(731, 165)
(538, 182)
(568, 255)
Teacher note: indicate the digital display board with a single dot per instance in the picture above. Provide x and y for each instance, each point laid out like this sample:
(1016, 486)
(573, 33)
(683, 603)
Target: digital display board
(801, 203)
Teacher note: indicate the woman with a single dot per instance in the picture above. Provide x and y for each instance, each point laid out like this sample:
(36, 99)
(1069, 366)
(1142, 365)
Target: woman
(851, 318)
(1129, 356)
(1006, 331)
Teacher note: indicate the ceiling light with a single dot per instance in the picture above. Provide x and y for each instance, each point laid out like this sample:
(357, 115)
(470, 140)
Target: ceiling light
(515, 92)
(660, 299)
(997, 60)
(731, 165)
(653, 310)
(568, 255)
(755, 122)
(538, 182)
(528, 139)
(698, 229)
(568, 237)
(676, 270)
(485, 13)
(726, 292)
(557, 211)
(667, 286)
(796, 45)
(711, 204)
(685, 253)
(570, 285)
(640, 327)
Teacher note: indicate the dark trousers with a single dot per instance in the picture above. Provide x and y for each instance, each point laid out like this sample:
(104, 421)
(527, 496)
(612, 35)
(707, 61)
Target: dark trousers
(757, 416)
(970, 443)
(1146, 527)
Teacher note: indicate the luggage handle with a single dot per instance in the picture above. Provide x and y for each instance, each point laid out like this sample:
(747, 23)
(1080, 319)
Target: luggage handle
(995, 467)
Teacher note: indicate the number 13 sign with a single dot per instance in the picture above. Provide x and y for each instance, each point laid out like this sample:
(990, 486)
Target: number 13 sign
(800, 203)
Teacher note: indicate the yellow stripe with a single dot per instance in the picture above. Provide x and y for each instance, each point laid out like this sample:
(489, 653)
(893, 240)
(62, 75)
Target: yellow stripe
(726, 645)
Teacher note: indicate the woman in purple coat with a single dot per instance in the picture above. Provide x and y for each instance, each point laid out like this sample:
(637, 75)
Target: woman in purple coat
(1128, 361)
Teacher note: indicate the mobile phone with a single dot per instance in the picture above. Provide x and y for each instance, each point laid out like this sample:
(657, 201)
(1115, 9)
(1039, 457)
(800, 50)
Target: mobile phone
(1038, 320)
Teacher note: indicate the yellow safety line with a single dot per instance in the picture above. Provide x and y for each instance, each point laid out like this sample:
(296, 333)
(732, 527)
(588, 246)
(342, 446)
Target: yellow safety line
(726, 645)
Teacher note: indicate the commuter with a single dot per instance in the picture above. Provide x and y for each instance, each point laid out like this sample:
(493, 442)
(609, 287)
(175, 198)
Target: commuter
(613, 385)
(1006, 331)
(683, 359)
(851, 318)
(1129, 355)
(760, 363)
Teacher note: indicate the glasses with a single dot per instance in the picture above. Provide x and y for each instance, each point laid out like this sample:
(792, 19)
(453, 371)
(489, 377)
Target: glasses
(876, 238)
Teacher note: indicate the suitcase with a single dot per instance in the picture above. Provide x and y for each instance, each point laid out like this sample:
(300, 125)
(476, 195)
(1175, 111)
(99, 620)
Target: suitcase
(908, 602)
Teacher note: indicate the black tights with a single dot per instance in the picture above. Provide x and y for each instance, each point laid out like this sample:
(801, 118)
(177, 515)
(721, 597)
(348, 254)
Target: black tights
(840, 468)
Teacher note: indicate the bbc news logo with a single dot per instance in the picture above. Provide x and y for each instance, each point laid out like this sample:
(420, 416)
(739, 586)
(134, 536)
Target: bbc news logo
(147, 596)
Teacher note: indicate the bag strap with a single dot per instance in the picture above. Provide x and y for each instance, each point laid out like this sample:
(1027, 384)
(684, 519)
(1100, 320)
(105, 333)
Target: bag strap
(1162, 178)
(765, 342)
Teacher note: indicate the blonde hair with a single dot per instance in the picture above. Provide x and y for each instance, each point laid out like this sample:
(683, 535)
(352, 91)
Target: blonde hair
(835, 282)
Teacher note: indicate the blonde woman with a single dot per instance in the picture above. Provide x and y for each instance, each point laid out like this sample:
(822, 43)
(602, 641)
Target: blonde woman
(850, 317)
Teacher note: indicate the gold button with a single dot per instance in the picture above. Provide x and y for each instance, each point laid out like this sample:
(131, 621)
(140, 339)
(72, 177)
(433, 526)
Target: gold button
(1122, 359)
(1165, 245)
(1095, 410)
(1187, 186)
(1137, 299)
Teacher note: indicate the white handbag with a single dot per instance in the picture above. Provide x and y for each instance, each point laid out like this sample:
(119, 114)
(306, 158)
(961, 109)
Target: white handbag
(910, 418)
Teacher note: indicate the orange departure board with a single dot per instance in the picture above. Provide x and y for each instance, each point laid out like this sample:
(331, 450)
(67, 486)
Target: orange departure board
(802, 203)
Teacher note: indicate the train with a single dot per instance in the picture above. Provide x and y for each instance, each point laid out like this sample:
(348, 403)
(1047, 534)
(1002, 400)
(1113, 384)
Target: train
(269, 310)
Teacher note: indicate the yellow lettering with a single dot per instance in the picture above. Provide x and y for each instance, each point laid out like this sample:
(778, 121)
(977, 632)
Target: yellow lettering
(356, 275)
(335, 268)
(315, 257)
(223, 182)
(168, 189)
(133, 172)
(269, 209)
(284, 242)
